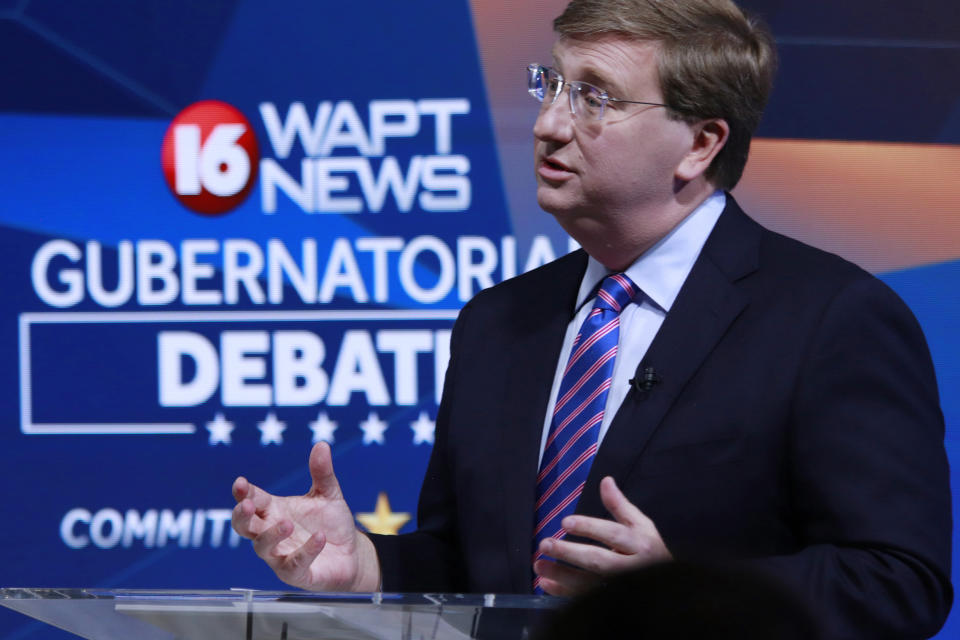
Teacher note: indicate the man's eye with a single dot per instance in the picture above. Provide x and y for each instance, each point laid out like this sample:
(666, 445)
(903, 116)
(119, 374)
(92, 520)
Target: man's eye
(593, 99)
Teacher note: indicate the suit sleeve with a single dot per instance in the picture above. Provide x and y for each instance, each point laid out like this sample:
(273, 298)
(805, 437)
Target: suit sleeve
(430, 559)
(869, 474)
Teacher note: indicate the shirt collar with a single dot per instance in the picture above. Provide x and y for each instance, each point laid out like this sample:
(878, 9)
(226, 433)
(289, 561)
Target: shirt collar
(661, 270)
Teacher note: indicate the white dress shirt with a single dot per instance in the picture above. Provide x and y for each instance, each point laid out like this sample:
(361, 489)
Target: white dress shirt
(659, 274)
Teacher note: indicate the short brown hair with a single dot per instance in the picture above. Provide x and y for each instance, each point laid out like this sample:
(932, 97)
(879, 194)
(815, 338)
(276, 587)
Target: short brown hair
(714, 62)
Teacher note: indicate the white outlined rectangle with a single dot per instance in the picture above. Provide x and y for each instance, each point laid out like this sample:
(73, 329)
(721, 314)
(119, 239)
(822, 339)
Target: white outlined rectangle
(28, 426)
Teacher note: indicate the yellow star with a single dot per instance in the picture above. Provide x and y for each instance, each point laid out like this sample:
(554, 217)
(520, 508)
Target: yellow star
(383, 520)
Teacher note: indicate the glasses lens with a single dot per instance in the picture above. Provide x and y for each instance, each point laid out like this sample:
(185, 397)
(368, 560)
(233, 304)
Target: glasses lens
(587, 100)
(543, 83)
(553, 82)
(535, 81)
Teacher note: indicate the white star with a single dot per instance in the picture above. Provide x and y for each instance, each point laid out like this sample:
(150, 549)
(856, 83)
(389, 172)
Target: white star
(323, 428)
(423, 429)
(373, 428)
(271, 430)
(220, 429)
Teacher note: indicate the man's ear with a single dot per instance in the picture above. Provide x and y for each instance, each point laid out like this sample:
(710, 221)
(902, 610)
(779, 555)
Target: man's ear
(709, 136)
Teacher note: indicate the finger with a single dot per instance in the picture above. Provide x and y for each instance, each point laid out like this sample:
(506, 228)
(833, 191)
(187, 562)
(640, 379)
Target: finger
(618, 505)
(245, 520)
(560, 580)
(300, 560)
(321, 472)
(617, 536)
(649, 543)
(243, 489)
(240, 489)
(589, 557)
(265, 544)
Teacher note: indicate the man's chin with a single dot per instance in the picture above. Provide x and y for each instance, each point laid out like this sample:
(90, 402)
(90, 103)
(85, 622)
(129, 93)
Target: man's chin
(551, 201)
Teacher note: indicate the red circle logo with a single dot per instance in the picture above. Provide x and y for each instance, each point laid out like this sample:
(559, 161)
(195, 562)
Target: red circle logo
(210, 157)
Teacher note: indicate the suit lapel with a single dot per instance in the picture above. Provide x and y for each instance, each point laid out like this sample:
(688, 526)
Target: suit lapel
(708, 303)
(534, 343)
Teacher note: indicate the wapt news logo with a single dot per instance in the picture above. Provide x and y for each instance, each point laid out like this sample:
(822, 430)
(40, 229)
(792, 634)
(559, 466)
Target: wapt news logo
(401, 157)
(210, 157)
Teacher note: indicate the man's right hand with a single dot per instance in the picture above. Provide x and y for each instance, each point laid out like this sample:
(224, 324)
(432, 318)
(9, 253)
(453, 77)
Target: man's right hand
(309, 541)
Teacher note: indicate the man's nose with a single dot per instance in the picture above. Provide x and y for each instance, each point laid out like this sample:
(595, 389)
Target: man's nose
(555, 120)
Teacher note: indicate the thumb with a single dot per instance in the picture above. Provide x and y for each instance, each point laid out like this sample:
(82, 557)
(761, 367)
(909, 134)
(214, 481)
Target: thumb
(324, 480)
(618, 504)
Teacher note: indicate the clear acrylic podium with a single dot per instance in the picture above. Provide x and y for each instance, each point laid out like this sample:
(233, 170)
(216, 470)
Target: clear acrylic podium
(102, 614)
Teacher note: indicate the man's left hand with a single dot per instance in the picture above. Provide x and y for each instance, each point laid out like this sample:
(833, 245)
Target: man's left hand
(631, 541)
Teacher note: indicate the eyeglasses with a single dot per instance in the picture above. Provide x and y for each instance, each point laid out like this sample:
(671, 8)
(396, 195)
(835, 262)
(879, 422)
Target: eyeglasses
(546, 85)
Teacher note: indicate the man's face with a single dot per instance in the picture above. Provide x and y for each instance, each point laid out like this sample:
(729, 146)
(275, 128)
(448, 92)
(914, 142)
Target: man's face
(608, 176)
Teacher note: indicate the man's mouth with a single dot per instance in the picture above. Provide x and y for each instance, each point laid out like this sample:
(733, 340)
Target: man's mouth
(553, 169)
(555, 164)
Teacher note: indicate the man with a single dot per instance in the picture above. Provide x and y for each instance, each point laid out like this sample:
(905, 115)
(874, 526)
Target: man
(742, 398)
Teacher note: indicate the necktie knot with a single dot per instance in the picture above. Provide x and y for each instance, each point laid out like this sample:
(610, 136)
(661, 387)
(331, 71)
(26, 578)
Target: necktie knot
(616, 291)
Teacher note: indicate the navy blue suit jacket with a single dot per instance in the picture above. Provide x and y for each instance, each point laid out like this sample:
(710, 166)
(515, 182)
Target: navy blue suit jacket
(796, 428)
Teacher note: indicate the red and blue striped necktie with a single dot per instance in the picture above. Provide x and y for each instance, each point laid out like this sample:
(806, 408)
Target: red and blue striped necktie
(575, 427)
